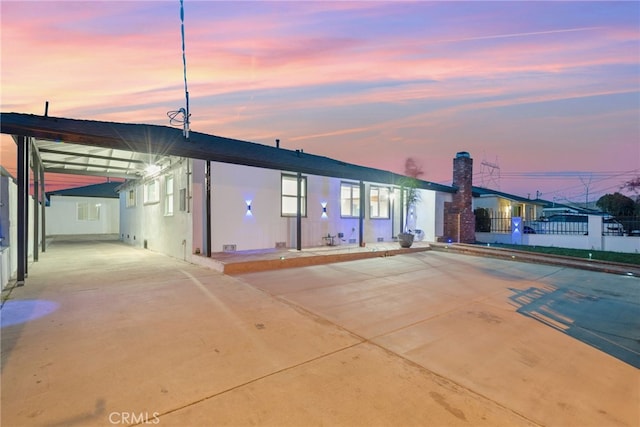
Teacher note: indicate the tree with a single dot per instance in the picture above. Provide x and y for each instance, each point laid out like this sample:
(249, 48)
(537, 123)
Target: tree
(633, 185)
(412, 170)
(616, 204)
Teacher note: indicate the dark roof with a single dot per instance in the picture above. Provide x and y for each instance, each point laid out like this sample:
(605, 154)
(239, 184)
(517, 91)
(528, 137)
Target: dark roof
(105, 190)
(168, 141)
(568, 207)
(479, 191)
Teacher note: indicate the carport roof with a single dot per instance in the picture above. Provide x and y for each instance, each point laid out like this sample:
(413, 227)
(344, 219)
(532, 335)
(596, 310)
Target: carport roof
(124, 150)
(480, 192)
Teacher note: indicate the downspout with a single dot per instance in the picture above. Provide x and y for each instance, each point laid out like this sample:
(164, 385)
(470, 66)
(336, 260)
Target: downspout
(187, 196)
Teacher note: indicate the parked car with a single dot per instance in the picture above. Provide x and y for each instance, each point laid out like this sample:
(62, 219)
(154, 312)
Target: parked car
(562, 224)
(568, 223)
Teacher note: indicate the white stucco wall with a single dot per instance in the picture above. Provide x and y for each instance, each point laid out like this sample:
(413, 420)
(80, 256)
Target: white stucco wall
(594, 240)
(9, 219)
(8, 230)
(197, 205)
(499, 206)
(147, 225)
(62, 217)
(232, 186)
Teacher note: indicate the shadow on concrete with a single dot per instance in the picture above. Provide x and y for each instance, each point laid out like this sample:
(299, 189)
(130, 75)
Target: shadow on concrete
(605, 321)
(98, 414)
(14, 314)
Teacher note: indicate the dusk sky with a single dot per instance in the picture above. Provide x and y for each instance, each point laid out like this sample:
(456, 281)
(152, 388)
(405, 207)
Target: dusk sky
(547, 91)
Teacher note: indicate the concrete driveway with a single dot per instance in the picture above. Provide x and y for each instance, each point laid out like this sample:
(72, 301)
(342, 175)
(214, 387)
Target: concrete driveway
(106, 334)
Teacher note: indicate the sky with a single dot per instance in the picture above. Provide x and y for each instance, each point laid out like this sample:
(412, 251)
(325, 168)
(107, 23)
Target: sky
(545, 96)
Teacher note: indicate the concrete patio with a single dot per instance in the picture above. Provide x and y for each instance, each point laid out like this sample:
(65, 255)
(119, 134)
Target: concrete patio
(106, 334)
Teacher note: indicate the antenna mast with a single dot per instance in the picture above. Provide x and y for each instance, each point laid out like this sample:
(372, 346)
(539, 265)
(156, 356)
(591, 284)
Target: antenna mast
(173, 115)
(184, 67)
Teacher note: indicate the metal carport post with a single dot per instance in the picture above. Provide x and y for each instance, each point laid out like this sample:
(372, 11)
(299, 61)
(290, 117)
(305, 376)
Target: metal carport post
(23, 208)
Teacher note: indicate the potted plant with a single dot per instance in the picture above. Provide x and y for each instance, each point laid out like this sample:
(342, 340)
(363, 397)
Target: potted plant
(411, 197)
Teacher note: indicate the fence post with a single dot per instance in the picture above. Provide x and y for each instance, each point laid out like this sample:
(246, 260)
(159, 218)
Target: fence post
(595, 232)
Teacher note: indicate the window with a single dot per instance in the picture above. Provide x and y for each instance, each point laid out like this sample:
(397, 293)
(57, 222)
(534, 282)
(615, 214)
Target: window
(379, 202)
(88, 211)
(290, 195)
(131, 198)
(151, 193)
(349, 200)
(168, 195)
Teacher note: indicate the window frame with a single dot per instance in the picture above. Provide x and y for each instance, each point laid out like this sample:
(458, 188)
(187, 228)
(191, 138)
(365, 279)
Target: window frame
(387, 203)
(169, 199)
(354, 204)
(130, 200)
(294, 196)
(151, 197)
(87, 208)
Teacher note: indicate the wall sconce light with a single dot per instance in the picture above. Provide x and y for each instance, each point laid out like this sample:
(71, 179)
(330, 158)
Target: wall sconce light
(324, 209)
(248, 202)
(152, 169)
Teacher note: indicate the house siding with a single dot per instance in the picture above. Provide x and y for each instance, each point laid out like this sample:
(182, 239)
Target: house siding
(231, 227)
(146, 225)
(9, 229)
(62, 219)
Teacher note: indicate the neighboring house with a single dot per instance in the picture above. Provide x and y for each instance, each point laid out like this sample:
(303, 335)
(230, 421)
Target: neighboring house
(90, 209)
(499, 204)
(553, 208)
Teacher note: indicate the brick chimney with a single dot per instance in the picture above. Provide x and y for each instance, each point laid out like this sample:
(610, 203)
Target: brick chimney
(459, 219)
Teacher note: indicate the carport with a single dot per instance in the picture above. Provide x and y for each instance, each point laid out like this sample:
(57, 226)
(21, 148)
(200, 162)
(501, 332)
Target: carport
(77, 147)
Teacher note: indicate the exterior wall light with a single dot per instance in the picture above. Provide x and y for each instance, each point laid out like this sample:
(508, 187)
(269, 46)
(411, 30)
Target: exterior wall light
(324, 209)
(152, 169)
(248, 202)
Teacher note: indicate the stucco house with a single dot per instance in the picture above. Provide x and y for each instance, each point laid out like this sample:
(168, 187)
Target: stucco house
(203, 207)
(90, 209)
(193, 194)
(498, 203)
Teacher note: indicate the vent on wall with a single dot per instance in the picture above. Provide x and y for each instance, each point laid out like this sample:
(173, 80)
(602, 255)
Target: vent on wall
(380, 239)
(281, 245)
(228, 248)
